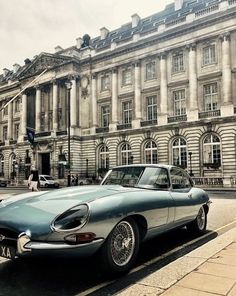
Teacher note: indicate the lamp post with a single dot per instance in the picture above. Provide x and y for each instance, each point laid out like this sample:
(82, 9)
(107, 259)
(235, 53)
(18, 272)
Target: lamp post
(68, 85)
(190, 163)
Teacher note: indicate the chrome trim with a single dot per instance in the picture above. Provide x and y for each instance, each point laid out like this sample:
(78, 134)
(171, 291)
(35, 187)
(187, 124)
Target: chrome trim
(53, 228)
(57, 246)
(22, 240)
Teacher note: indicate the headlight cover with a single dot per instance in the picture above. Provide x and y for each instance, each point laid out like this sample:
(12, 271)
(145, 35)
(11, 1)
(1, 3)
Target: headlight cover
(74, 218)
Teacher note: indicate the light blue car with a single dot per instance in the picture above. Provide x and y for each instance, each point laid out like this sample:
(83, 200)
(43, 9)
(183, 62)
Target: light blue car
(132, 204)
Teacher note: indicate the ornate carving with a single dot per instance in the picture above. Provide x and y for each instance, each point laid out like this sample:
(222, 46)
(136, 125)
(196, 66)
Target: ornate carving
(176, 131)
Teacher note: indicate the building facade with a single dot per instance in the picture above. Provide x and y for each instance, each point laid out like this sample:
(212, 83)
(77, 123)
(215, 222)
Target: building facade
(157, 90)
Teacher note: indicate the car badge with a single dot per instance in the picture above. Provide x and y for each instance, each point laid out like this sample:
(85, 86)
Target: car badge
(2, 237)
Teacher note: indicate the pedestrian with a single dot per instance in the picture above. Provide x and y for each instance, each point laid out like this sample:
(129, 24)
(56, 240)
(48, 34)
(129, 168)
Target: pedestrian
(76, 179)
(72, 180)
(34, 179)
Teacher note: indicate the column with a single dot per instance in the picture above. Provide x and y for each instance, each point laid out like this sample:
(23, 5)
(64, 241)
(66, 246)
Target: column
(114, 99)
(227, 108)
(23, 117)
(55, 105)
(192, 111)
(38, 109)
(94, 100)
(162, 119)
(137, 95)
(10, 121)
(73, 106)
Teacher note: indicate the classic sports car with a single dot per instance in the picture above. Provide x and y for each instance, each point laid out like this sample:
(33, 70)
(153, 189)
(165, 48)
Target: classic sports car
(132, 204)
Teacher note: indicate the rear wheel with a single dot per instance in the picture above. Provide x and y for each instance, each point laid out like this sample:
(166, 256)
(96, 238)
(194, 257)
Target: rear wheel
(198, 226)
(121, 247)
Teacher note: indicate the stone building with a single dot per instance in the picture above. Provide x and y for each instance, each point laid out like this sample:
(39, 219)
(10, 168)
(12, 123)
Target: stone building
(161, 89)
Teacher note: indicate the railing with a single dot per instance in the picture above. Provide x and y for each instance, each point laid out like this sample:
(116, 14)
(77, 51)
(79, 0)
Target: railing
(207, 10)
(148, 122)
(124, 126)
(61, 133)
(211, 181)
(43, 134)
(12, 142)
(102, 129)
(175, 22)
(177, 118)
(206, 114)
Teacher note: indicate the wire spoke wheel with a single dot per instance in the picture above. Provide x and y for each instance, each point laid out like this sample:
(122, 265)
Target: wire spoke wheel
(201, 219)
(122, 243)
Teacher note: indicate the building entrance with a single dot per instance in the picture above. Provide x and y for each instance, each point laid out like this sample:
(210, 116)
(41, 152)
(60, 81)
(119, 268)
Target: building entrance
(45, 163)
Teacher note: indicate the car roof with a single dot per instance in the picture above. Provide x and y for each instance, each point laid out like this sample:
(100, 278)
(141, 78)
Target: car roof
(160, 165)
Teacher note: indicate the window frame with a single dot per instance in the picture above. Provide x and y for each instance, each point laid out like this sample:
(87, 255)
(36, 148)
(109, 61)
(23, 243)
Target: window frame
(207, 57)
(179, 147)
(153, 149)
(105, 116)
(179, 102)
(151, 73)
(127, 114)
(211, 99)
(105, 82)
(125, 81)
(178, 62)
(215, 155)
(152, 106)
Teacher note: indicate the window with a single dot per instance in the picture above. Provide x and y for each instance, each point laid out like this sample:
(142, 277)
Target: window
(4, 133)
(151, 70)
(105, 82)
(179, 179)
(126, 77)
(127, 112)
(103, 157)
(179, 102)
(150, 152)
(16, 129)
(50, 121)
(210, 92)
(42, 119)
(17, 105)
(178, 63)
(1, 165)
(179, 153)
(126, 154)
(151, 108)
(212, 150)
(209, 55)
(59, 118)
(5, 110)
(105, 115)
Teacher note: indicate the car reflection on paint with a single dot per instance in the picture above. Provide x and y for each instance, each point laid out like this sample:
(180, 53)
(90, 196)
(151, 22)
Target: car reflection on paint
(132, 204)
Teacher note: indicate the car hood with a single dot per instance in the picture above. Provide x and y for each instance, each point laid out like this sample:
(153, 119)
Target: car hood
(38, 209)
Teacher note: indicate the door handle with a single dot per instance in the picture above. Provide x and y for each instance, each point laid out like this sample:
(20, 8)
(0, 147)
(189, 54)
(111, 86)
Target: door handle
(190, 195)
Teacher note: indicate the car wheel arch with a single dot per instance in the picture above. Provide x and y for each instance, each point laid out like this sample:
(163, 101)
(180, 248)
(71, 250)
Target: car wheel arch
(141, 223)
(206, 208)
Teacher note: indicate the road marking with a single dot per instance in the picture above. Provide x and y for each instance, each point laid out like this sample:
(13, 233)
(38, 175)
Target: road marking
(163, 256)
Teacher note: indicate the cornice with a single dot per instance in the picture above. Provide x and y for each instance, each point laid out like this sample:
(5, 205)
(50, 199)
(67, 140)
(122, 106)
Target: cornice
(209, 76)
(126, 95)
(150, 89)
(178, 83)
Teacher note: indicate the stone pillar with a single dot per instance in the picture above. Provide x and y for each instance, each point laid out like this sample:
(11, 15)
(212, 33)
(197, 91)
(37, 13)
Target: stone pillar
(55, 105)
(162, 119)
(94, 101)
(73, 105)
(10, 121)
(226, 104)
(23, 116)
(38, 110)
(192, 109)
(114, 111)
(137, 95)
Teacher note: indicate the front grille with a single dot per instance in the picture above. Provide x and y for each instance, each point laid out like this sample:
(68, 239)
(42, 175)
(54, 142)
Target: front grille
(9, 237)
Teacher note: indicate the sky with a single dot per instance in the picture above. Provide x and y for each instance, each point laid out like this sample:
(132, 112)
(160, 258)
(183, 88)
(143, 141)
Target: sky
(29, 27)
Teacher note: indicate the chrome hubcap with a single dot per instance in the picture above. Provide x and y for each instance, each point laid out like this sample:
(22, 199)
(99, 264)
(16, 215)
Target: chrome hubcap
(201, 218)
(122, 243)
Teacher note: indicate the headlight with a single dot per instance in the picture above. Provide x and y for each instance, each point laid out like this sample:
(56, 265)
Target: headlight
(73, 218)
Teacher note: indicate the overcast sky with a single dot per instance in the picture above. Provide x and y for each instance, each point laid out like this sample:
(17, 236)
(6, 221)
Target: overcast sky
(29, 27)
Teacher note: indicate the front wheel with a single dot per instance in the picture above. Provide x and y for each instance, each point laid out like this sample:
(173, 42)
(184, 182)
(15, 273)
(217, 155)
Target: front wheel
(198, 226)
(121, 247)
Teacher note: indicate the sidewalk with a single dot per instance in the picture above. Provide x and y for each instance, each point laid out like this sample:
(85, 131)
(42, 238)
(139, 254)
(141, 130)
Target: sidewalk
(209, 270)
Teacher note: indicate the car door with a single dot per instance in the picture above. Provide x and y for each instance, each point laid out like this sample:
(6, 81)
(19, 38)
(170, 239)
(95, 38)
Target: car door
(42, 181)
(181, 192)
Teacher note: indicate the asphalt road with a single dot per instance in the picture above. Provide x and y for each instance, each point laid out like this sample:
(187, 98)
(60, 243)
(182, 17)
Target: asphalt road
(53, 277)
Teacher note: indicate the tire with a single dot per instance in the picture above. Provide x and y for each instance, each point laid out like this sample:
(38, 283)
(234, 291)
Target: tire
(81, 183)
(120, 250)
(46, 185)
(198, 226)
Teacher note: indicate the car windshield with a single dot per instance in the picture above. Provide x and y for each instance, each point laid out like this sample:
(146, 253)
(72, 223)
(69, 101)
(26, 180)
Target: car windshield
(48, 178)
(143, 177)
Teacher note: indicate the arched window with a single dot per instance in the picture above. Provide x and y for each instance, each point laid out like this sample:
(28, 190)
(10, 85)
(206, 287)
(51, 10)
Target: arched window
(126, 154)
(211, 150)
(103, 157)
(179, 152)
(1, 165)
(150, 152)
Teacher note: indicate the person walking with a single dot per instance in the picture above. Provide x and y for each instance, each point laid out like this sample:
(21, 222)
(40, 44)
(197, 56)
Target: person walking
(34, 180)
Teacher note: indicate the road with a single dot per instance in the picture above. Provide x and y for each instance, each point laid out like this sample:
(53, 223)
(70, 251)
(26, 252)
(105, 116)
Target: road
(50, 277)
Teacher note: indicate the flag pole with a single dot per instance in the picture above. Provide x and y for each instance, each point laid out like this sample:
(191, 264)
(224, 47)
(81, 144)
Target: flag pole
(24, 88)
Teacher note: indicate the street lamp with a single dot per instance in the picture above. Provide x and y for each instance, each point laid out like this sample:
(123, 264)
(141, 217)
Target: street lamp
(68, 85)
(190, 163)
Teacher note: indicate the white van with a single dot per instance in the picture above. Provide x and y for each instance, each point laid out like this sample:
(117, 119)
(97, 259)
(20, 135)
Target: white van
(48, 181)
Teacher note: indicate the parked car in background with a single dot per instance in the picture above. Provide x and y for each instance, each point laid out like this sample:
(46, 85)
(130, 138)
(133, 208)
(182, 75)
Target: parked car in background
(132, 204)
(3, 182)
(48, 181)
(84, 181)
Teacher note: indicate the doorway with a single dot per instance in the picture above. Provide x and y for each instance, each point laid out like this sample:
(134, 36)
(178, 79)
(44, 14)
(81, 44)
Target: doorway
(45, 163)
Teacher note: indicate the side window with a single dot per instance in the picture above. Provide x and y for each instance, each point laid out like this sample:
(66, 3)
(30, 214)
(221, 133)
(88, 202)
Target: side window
(179, 180)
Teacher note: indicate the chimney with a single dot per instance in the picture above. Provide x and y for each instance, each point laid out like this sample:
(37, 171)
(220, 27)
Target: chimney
(135, 20)
(104, 32)
(178, 4)
(16, 67)
(58, 48)
(79, 42)
(5, 72)
(27, 61)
